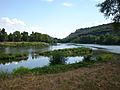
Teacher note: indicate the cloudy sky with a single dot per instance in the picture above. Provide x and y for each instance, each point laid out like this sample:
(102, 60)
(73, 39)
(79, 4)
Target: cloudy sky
(58, 18)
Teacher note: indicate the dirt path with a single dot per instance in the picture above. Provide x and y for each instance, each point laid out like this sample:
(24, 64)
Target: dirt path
(104, 76)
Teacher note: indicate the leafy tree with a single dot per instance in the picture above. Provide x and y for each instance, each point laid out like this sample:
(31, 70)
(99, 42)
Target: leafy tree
(17, 36)
(10, 37)
(111, 8)
(24, 36)
(3, 35)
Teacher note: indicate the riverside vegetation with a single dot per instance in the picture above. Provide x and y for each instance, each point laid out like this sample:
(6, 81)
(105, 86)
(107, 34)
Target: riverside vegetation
(103, 34)
(57, 63)
(7, 58)
(23, 44)
(101, 73)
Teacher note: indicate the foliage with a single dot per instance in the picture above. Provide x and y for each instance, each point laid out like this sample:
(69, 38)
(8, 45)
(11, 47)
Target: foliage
(68, 52)
(23, 44)
(102, 34)
(62, 67)
(3, 35)
(17, 36)
(105, 57)
(12, 57)
(21, 71)
(111, 8)
(57, 58)
(3, 75)
(87, 58)
(51, 69)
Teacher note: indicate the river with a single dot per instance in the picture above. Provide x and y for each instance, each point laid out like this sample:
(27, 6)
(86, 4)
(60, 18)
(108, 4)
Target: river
(41, 61)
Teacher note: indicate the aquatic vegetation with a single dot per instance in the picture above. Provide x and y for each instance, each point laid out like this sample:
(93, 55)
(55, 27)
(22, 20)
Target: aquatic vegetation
(12, 57)
(57, 58)
(69, 52)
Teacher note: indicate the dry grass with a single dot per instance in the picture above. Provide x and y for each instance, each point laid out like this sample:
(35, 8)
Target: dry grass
(103, 76)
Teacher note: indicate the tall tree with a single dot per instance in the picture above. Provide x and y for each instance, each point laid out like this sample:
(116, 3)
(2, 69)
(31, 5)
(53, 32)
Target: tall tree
(10, 37)
(111, 8)
(24, 36)
(17, 36)
(3, 35)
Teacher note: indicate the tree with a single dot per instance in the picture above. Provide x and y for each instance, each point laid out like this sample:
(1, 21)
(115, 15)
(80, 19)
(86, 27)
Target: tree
(17, 36)
(3, 35)
(24, 36)
(10, 37)
(111, 8)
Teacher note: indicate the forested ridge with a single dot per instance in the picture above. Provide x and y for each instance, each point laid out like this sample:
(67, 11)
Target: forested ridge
(102, 34)
(18, 36)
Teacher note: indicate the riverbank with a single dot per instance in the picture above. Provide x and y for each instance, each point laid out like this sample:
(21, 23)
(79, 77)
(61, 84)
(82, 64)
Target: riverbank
(7, 58)
(23, 44)
(100, 76)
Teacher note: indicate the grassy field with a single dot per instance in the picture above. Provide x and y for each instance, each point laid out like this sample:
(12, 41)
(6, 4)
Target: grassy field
(23, 44)
(100, 76)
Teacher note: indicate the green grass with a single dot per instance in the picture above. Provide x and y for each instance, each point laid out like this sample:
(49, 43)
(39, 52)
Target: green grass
(23, 44)
(51, 69)
(3, 74)
(57, 68)
(21, 71)
(69, 52)
(105, 57)
(4, 58)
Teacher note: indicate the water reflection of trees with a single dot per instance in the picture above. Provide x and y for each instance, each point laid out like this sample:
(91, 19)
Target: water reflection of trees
(13, 60)
(57, 58)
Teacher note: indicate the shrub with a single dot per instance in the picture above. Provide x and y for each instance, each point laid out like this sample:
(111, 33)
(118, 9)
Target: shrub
(105, 57)
(57, 58)
(21, 71)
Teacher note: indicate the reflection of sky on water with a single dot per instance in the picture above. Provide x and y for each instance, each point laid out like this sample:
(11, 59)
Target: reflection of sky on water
(40, 61)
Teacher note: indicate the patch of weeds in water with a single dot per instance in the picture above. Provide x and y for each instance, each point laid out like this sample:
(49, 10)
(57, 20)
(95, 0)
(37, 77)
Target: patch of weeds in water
(68, 52)
(5, 58)
(57, 58)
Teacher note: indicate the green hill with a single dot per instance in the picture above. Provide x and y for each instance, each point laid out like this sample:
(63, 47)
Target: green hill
(102, 34)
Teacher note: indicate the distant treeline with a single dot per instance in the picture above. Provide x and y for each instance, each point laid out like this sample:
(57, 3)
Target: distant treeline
(92, 39)
(102, 34)
(17, 36)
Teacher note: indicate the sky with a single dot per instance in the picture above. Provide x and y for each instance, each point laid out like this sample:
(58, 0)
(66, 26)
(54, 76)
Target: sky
(57, 18)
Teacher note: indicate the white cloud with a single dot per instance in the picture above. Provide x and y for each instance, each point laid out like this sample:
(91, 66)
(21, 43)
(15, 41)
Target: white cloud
(11, 22)
(67, 4)
(47, 0)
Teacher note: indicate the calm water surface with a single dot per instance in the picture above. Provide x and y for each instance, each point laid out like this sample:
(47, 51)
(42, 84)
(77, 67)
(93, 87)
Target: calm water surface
(41, 61)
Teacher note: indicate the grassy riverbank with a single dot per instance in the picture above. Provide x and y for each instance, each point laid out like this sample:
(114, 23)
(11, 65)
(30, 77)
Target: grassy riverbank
(99, 76)
(23, 44)
(99, 72)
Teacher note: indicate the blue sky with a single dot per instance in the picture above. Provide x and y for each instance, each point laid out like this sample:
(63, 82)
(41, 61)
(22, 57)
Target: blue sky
(58, 18)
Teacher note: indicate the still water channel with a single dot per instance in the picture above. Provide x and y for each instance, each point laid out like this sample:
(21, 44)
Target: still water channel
(41, 61)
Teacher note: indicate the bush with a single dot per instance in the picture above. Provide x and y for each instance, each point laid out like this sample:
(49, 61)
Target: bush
(21, 71)
(105, 57)
(87, 58)
(57, 58)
